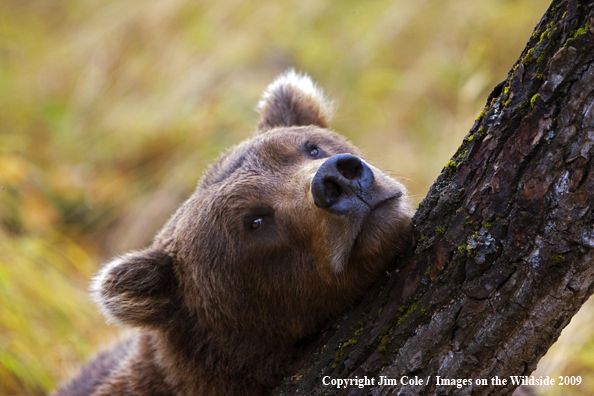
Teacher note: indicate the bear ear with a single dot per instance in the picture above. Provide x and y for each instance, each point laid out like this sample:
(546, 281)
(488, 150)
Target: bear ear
(138, 289)
(293, 100)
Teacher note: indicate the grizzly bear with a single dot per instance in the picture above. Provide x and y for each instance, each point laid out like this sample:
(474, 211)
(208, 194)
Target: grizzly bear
(283, 232)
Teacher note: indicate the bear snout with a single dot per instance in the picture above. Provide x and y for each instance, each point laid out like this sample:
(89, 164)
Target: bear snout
(342, 184)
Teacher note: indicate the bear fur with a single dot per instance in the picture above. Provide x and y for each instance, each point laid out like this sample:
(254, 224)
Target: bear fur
(283, 232)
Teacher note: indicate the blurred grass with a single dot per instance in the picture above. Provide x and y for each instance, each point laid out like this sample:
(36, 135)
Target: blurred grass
(110, 110)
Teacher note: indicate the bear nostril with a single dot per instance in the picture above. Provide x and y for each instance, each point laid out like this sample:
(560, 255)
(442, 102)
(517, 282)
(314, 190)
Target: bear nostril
(331, 190)
(349, 167)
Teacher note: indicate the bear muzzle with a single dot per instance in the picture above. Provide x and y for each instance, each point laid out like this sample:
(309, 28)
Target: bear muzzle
(344, 184)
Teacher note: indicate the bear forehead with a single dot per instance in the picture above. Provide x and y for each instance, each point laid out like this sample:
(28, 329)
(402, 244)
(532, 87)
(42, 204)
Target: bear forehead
(274, 152)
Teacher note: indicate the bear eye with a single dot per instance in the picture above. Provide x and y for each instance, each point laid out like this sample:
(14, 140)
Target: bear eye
(258, 219)
(312, 150)
(257, 223)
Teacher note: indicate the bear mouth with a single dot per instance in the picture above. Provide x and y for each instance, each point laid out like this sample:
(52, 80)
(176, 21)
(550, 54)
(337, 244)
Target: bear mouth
(379, 212)
(372, 214)
(382, 201)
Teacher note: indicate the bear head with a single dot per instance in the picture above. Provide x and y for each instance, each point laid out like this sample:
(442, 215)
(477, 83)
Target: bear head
(283, 231)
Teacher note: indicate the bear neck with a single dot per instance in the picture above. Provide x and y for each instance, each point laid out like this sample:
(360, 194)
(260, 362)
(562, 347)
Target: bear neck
(200, 364)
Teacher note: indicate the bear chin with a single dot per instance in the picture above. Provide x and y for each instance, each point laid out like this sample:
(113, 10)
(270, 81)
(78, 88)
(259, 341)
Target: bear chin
(283, 232)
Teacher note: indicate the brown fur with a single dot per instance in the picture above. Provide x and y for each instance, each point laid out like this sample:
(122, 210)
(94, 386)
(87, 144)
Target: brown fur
(220, 306)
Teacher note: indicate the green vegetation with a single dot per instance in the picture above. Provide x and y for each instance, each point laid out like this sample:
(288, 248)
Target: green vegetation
(558, 260)
(579, 32)
(450, 165)
(533, 100)
(528, 58)
(111, 110)
(583, 30)
(405, 311)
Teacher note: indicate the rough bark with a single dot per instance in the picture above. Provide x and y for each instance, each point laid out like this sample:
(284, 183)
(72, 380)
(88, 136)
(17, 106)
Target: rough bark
(504, 239)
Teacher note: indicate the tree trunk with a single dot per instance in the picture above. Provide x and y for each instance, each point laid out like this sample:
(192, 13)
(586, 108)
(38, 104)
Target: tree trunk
(504, 253)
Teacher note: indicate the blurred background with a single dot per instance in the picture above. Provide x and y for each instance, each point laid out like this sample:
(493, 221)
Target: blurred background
(110, 110)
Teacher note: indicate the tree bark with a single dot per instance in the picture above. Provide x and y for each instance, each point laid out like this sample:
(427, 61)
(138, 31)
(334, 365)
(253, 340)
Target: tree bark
(504, 246)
